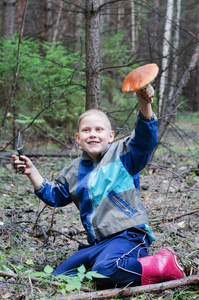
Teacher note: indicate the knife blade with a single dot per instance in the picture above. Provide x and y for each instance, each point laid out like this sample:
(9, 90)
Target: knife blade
(19, 146)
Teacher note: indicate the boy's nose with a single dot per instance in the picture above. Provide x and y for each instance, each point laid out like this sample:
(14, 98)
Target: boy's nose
(93, 133)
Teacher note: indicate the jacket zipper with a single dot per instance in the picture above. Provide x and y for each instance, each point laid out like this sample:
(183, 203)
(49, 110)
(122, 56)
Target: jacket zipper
(121, 205)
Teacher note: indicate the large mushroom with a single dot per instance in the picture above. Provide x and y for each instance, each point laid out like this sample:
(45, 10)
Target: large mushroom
(139, 78)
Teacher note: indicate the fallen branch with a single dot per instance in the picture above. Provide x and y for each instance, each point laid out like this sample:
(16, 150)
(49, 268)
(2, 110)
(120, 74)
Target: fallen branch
(33, 279)
(173, 218)
(35, 153)
(130, 291)
(122, 292)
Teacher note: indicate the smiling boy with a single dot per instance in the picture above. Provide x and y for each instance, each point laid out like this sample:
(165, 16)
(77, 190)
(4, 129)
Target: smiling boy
(104, 185)
(94, 133)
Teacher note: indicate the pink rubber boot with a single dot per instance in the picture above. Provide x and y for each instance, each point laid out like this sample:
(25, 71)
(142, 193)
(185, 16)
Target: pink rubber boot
(162, 266)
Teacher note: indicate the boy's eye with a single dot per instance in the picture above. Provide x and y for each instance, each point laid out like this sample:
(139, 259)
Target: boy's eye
(85, 130)
(99, 129)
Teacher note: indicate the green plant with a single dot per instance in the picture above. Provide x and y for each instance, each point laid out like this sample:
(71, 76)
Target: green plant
(69, 283)
(45, 72)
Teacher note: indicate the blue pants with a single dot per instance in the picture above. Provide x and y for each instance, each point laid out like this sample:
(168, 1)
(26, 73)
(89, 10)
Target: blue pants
(115, 257)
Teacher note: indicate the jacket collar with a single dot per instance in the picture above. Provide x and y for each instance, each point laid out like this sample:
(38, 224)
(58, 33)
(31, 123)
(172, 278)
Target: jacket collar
(85, 155)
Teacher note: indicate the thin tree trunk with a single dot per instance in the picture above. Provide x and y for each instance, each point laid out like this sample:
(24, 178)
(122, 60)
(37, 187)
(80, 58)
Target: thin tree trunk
(8, 20)
(176, 97)
(58, 20)
(165, 55)
(133, 27)
(156, 8)
(175, 50)
(93, 57)
(10, 100)
(48, 20)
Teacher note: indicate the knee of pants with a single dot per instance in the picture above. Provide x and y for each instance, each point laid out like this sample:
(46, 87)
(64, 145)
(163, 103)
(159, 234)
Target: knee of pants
(121, 271)
(106, 268)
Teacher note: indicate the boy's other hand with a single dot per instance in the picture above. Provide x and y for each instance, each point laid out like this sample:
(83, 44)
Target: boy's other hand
(146, 94)
(22, 165)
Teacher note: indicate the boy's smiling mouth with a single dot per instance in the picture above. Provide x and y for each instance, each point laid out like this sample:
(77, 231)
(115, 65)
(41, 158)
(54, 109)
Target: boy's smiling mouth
(93, 142)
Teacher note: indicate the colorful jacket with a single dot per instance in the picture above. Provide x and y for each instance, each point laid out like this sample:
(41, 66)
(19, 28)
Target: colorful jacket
(106, 191)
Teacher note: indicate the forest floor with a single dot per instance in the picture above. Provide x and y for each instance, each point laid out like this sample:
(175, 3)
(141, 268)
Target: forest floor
(32, 239)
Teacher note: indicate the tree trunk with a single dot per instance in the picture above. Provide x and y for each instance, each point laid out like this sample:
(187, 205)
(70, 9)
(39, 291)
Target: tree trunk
(93, 57)
(165, 55)
(33, 25)
(133, 27)
(173, 105)
(58, 21)
(48, 20)
(8, 19)
(175, 51)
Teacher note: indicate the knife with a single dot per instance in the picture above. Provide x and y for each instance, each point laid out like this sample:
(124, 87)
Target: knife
(19, 150)
(19, 146)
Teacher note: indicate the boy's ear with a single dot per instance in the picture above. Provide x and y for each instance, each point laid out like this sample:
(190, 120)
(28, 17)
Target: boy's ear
(77, 137)
(112, 133)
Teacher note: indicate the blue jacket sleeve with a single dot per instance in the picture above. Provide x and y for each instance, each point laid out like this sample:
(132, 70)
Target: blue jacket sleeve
(141, 146)
(55, 195)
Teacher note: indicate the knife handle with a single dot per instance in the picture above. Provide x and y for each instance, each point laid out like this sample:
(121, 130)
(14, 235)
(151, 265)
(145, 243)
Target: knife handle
(20, 153)
(21, 169)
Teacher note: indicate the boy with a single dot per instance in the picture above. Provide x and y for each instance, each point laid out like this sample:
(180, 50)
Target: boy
(104, 185)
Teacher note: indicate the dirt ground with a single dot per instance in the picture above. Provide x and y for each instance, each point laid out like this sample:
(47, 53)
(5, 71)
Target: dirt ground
(32, 239)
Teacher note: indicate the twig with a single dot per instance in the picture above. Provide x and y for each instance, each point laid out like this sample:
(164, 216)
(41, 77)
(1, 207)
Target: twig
(173, 218)
(51, 224)
(66, 235)
(35, 224)
(30, 281)
(110, 293)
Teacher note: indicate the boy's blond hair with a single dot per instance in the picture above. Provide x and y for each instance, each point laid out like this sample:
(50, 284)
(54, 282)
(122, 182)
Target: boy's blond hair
(94, 111)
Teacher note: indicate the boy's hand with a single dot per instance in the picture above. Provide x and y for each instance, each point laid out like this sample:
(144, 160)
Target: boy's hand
(145, 98)
(22, 165)
(146, 94)
(26, 167)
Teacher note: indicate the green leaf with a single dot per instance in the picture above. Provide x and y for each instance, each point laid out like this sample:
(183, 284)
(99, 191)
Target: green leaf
(38, 274)
(70, 288)
(63, 285)
(48, 269)
(81, 276)
(81, 269)
(61, 276)
(94, 274)
(74, 281)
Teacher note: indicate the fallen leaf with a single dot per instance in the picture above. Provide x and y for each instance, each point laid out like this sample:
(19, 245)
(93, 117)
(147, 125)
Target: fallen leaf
(181, 224)
(29, 262)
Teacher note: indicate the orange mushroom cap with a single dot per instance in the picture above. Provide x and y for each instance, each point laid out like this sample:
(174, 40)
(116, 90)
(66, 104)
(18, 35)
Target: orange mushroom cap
(139, 78)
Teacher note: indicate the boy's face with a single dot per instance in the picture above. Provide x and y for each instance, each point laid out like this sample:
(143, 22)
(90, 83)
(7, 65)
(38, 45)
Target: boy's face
(94, 135)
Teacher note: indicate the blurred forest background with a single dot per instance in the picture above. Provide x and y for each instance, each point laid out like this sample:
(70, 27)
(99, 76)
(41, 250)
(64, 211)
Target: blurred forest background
(58, 58)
